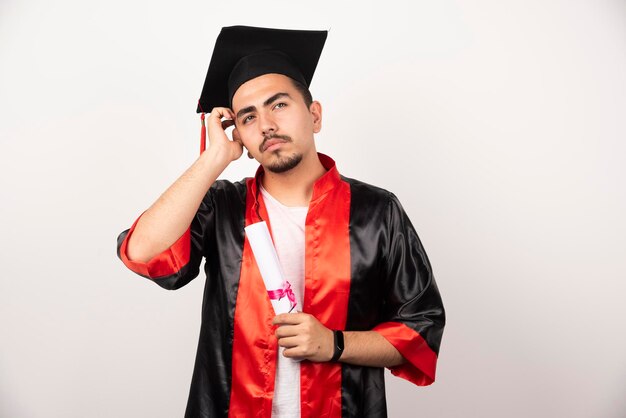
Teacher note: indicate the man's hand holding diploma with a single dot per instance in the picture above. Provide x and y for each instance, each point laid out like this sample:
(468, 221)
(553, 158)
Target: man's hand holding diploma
(304, 337)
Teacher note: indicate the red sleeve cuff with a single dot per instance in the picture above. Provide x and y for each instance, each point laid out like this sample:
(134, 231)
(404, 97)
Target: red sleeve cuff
(169, 262)
(421, 360)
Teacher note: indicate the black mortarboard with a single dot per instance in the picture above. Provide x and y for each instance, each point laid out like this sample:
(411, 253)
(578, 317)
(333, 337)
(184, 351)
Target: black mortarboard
(242, 53)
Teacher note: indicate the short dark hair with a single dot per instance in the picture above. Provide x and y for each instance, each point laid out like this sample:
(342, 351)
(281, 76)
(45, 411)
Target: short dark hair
(304, 92)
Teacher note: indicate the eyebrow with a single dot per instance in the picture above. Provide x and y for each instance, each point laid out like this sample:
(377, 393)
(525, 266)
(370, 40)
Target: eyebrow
(265, 104)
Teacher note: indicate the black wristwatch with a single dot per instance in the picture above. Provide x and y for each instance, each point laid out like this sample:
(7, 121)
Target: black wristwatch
(338, 345)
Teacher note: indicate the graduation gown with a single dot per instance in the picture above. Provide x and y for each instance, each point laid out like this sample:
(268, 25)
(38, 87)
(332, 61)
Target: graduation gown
(365, 269)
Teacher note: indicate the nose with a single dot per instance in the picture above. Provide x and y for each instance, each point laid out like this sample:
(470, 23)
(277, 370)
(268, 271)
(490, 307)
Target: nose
(268, 125)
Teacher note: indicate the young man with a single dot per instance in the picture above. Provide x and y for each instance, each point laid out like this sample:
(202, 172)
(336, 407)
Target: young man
(352, 257)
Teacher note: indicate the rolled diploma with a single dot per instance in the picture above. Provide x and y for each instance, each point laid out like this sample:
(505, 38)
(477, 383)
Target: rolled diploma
(269, 265)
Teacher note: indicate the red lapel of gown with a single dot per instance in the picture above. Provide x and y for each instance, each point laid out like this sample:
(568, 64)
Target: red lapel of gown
(327, 289)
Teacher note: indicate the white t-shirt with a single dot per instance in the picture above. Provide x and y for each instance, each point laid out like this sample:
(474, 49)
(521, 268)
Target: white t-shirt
(287, 224)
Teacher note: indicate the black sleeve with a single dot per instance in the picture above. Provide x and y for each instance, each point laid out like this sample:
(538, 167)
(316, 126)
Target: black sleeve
(413, 315)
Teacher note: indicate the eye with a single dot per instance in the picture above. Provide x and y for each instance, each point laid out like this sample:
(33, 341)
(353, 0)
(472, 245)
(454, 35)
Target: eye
(245, 120)
(281, 104)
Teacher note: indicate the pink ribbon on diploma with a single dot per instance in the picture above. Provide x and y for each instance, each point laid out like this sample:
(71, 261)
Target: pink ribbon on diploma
(285, 291)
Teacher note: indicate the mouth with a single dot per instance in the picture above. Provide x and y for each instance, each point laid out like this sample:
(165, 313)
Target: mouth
(273, 144)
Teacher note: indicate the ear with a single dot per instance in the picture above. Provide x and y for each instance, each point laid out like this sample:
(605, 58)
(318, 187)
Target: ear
(316, 112)
(236, 136)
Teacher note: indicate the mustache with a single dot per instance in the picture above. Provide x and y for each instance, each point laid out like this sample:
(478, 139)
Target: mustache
(285, 138)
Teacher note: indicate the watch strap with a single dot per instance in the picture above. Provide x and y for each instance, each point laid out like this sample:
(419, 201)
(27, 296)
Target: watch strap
(338, 337)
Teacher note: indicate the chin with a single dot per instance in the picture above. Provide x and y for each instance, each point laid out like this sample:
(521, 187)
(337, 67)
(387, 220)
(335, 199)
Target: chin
(284, 163)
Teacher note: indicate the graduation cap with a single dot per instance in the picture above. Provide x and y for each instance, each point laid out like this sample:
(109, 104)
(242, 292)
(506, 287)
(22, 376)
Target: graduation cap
(242, 53)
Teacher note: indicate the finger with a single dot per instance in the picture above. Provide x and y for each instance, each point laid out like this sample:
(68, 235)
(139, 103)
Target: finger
(288, 318)
(216, 113)
(286, 331)
(227, 122)
(221, 112)
(288, 342)
(293, 352)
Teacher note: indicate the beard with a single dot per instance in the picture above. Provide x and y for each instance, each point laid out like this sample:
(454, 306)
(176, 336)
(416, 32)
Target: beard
(284, 163)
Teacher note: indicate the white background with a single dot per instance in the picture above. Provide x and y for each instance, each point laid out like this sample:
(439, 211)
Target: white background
(499, 125)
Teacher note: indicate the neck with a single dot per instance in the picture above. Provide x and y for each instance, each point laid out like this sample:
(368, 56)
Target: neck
(295, 187)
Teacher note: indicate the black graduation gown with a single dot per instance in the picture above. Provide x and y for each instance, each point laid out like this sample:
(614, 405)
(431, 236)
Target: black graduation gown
(365, 269)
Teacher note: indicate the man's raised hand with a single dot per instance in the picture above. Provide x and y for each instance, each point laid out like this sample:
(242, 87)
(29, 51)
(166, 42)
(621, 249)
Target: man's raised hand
(216, 130)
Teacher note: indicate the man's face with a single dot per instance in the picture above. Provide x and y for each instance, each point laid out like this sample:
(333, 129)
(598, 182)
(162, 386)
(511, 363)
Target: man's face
(274, 123)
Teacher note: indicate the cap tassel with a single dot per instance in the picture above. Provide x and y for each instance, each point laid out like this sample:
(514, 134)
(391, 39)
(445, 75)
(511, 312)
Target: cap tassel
(202, 129)
(202, 135)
